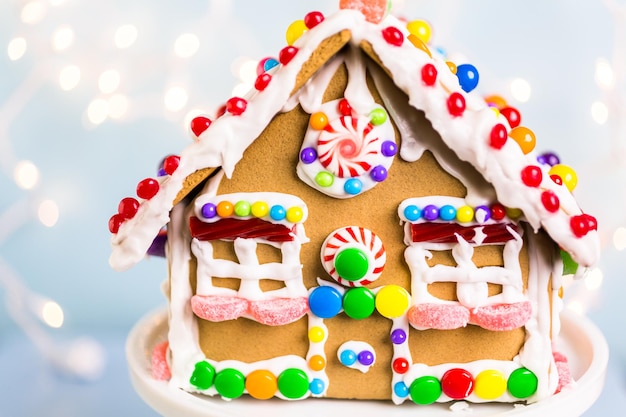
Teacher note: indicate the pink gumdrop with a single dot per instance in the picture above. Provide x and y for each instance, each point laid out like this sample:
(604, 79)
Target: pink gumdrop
(438, 316)
(373, 10)
(562, 367)
(279, 311)
(502, 317)
(218, 308)
(160, 368)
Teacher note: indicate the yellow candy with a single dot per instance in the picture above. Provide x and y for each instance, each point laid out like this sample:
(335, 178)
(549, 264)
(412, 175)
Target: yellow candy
(417, 42)
(465, 214)
(225, 208)
(421, 29)
(318, 121)
(567, 175)
(261, 384)
(295, 214)
(317, 363)
(524, 137)
(392, 301)
(513, 213)
(294, 31)
(452, 66)
(260, 209)
(490, 384)
(316, 334)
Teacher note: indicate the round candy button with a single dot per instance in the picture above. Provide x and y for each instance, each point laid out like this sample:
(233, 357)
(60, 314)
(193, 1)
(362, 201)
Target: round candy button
(358, 303)
(261, 384)
(522, 383)
(490, 384)
(392, 301)
(293, 383)
(325, 302)
(425, 390)
(457, 383)
(230, 383)
(351, 264)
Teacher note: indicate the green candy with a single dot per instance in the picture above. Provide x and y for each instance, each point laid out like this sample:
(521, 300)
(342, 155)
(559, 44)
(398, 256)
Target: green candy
(351, 264)
(202, 376)
(230, 383)
(359, 303)
(378, 117)
(425, 390)
(293, 383)
(522, 383)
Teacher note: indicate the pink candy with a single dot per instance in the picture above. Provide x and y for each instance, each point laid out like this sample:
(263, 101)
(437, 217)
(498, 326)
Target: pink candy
(438, 316)
(562, 367)
(270, 312)
(498, 317)
(280, 311)
(218, 308)
(502, 317)
(160, 368)
(373, 10)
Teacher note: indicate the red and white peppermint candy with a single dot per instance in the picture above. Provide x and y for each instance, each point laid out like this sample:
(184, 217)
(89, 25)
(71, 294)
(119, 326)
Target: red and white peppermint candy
(353, 256)
(348, 146)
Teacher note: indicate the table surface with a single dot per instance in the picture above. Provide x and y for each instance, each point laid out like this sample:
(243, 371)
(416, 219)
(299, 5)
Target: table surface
(30, 387)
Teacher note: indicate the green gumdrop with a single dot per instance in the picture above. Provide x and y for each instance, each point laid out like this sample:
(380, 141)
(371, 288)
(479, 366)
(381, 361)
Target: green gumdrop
(569, 265)
(203, 375)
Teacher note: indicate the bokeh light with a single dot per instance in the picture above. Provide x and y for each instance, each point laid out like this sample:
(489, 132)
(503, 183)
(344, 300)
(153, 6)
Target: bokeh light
(69, 77)
(109, 81)
(62, 38)
(48, 213)
(26, 175)
(175, 99)
(605, 77)
(520, 90)
(16, 48)
(118, 106)
(186, 45)
(98, 111)
(125, 36)
(599, 112)
(52, 314)
(619, 238)
(33, 12)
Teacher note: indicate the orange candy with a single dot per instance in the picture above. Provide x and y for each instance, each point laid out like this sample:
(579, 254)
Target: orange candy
(317, 362)
(496, 100)
(452, 66)
(318, 121)
(524, 137)
(225, 208)
(261, 384)
(373, 10)
(419, 44)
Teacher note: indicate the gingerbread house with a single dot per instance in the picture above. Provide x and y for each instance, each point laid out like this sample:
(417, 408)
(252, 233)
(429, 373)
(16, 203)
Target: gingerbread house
(361, 225)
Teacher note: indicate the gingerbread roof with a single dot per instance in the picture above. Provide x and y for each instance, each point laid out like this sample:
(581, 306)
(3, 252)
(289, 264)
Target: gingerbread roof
(466, 124)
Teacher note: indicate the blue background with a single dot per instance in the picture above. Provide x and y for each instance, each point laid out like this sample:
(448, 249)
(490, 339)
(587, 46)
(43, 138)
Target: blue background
(87, 169)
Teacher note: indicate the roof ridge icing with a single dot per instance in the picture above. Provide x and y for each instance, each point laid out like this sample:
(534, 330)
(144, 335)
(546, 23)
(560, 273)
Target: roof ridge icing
(466, 124)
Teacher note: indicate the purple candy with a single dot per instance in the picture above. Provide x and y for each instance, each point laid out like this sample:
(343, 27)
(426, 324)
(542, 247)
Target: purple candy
(209, 210)
(157, 248)
(389, 148)
(366, 358)
(308, 155)
(378, 173)
(430, 212)
(482, 214)
(398, 336)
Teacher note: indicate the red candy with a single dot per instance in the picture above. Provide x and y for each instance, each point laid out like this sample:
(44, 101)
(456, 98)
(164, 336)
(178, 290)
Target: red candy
(171, 164)
(262, 81)
(147, 188)
(550, 201)
(502, 317)
(583, 224)
(115, 222)
(498, 136)
(236, 106)
(160, 369)
(438, 316)
(280, 311)
(393, 36)
(456, 104)
(429, 74)
(557, 179)
(400, 365)
(221, 111)
(498, 211)
(286, 54)
(344, 107)
(313, 19)
(218, 308)
(532, 176)
(512, 115)
(128, 207)
(200, 124)
(457, 383)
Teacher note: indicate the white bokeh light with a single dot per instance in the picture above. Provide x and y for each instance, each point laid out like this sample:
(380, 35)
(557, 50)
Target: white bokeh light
(599, 112)
(576, 306)
(98, 111)
(69, 77)
(26, 175)
(48, 213)
(52, 314)
(175, 99)
(16, 48)
(125, 36)
(521, 90)
(247, 71)
(63, 38)
(118, 106)
(594, 278)
(619, 238)
(241, 90)
(604, 75)
(33, 12)
(109, 81)
(186, 45)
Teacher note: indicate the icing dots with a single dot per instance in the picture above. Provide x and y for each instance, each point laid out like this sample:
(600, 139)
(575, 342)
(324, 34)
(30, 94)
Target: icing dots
(353, 256)
(424, 209)
(344, 153)
(357, 355)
